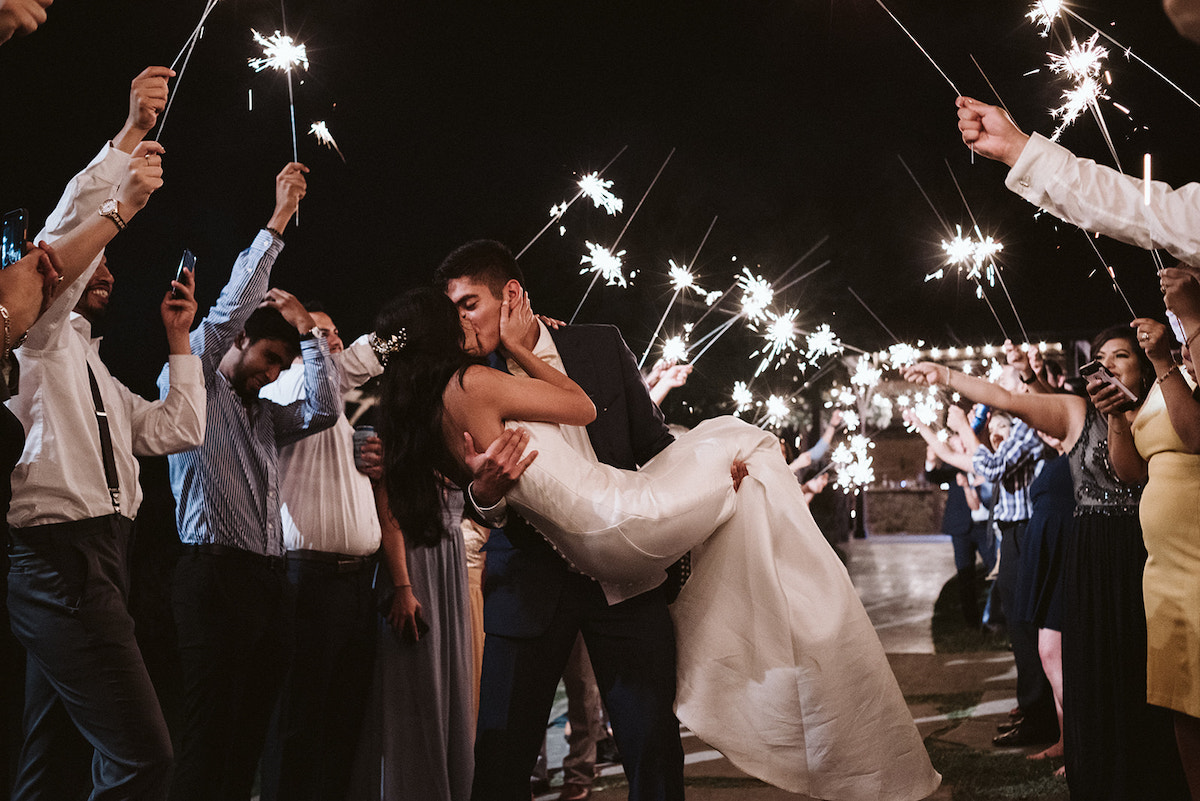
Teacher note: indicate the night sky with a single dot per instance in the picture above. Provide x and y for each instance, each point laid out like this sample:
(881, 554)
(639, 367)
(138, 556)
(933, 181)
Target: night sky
(461, 120)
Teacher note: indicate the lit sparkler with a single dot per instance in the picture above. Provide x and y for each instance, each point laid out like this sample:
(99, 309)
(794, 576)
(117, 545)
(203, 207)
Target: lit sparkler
(821, 343)
(320, 130)
(865, 374)
(1081, 60)
(280, 52)
(675, 350)
(604, 263)
(852, 463)
(778, 409)
(780, 333)
(597, 189)
(902, 354)
(681, 278)
(1076, 100)
(850, 419)
(742, 397)
(757, 295)
(1043, 13)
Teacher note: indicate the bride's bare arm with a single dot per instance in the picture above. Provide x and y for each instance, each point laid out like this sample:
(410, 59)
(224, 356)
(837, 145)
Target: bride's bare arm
(547, 395)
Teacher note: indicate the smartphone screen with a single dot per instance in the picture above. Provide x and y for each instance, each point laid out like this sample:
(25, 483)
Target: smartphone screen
(13, 237)
(186, 262)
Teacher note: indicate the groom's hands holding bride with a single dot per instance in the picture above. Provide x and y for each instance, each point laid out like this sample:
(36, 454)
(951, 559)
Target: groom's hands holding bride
(495, 470)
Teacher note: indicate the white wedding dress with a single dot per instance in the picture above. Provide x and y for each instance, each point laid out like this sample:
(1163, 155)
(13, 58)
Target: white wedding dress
(778, 666)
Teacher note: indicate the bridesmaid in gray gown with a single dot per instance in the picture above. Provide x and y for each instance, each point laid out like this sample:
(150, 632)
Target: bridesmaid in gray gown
(419, 730)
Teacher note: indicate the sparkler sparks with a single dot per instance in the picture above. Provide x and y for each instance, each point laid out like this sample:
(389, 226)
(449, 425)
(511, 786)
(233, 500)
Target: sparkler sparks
(280, 52)
(596, 188)
(852, 463)
(741, 396)
(604, 263)
(1081, 60)
(1043, 13)
(865, 375)
(757, 295)
(960, 249)
(1076, 100)
(778, 410)
(822, 342)
(902, 354)
(321, 131)
(675, 350)
(780, 334)
(681, 279)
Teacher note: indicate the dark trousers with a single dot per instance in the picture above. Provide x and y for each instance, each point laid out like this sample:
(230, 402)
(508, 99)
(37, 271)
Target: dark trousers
(311, 746)
(1033, 689)
(632, 648)
(68, 593)
(233, 613)
(977, 539)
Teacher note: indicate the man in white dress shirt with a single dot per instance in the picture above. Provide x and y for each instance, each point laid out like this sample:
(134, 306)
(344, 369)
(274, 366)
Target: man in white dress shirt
(331, 533)
(76, 493)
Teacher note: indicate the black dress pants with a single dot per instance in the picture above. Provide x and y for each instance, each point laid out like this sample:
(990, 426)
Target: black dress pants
(68, 593)
(1033, 688)
(233, 612)
(313, 739)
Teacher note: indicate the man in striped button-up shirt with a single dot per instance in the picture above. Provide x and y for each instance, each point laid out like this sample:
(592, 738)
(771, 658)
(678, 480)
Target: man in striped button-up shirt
(231, 598)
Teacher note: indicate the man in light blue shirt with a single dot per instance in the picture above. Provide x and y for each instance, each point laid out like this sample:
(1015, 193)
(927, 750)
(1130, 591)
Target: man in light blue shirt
(231, 597)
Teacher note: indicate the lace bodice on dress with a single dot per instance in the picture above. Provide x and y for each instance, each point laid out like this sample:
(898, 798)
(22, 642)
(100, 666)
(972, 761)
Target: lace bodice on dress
(1097, 489)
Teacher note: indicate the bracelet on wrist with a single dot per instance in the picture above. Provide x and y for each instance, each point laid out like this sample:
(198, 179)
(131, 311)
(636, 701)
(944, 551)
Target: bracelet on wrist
(1033, 377)
(1166, 375)
(275, 233)
(401, 586)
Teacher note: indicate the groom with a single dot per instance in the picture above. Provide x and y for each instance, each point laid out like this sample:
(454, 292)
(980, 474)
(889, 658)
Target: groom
(534, 604)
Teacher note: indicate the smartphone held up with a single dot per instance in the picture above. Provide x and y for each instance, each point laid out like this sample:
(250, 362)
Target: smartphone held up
(1096, 373)
(13, 237)
(186, 262)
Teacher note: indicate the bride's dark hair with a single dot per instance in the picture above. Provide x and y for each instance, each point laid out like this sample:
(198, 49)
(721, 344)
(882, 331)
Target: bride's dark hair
(415, 457)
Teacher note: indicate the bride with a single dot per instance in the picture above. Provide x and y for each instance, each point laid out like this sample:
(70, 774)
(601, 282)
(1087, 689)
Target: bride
(778, 665)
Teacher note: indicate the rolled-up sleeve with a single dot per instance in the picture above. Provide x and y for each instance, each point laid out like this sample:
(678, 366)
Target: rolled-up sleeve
(175, 423)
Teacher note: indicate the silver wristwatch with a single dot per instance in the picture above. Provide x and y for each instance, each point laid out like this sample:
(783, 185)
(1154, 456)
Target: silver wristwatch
(109, 209)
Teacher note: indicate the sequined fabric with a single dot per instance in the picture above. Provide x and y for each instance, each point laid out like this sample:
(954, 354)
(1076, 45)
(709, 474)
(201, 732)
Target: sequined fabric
(1097, 489)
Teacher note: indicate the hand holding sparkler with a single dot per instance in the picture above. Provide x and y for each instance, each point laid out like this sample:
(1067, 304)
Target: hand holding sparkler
(21, 17)
(989, 131)
(927, 373)
(147, 98)
(290, 188)
(1181, 292)
(666, 376)
(1155, 339)
(143, 177)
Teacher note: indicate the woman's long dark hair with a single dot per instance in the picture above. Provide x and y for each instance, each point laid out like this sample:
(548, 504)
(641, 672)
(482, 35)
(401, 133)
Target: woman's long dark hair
(1129, 335)
(415, 457)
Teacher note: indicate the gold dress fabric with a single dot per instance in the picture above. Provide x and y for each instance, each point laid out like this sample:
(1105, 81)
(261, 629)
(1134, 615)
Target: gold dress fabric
(1170, 515)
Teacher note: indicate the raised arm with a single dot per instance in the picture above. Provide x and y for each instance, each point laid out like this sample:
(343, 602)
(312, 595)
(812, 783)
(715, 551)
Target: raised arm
(1060, 416)
(250, 275)
(21, 17)
(321, 404)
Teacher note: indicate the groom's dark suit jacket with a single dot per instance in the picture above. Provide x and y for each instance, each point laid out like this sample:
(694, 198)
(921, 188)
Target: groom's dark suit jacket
(524, 574)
